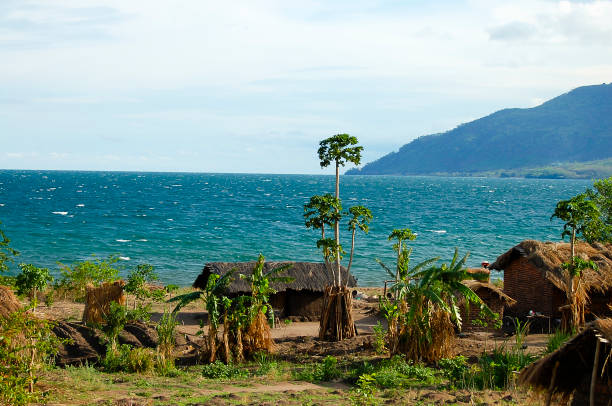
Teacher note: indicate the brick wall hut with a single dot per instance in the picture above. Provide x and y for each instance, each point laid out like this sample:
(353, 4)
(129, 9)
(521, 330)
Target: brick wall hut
(301, 299)
(532, 276)
(492, 296)
(567, 372)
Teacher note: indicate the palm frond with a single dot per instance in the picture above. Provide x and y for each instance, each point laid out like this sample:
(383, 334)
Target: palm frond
(385, 267)
(184, 300)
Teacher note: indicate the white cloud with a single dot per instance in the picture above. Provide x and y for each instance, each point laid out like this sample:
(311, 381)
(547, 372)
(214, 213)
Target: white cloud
(267, 74)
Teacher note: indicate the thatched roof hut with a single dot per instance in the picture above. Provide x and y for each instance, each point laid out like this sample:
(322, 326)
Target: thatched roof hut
(8, 302)
(567, 372)
(533, 276)
(303, 297)
(492, 296)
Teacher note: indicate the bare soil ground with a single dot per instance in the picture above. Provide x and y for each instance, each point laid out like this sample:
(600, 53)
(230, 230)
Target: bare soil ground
(296, 342)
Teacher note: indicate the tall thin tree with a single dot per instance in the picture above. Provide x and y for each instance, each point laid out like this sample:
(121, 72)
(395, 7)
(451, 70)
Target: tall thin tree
(339, 149)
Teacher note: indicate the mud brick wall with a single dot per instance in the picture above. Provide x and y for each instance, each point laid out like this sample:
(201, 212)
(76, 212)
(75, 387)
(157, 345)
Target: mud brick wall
(525, 283)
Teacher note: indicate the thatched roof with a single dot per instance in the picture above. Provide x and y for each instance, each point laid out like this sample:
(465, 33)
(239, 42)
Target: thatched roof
(492, 289)
(548, 257)
(574, 359)
(8, 301)
(311, 276)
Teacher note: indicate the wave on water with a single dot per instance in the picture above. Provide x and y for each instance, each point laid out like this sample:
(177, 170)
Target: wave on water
(438, 231)
(1, 204)
(125, 258)
(61, 213)
(120, 240)
(80, 205)
(142, 240)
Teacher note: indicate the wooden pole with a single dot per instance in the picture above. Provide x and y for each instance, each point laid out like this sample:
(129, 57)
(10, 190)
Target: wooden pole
(594, 373)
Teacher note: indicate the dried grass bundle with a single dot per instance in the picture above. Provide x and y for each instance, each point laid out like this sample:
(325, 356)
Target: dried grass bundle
(8, 302)
(98, 300)
(428, 338)
(337, 320)
(258, 337)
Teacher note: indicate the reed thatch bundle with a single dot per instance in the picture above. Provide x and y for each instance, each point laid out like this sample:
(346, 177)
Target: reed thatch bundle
(258, 337)
(8, 302)
(427, 341)
(98, 300)
(310, 276)
(337, 320)
(569, 370)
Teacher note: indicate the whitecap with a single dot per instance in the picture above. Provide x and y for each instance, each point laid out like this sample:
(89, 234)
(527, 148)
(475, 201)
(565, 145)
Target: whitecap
(61, 213)
(120, 240)
(80, 205)
(142, 240)
(1, 204)
(176, 185)
(170, 219)
(439, 231)
(125, 258)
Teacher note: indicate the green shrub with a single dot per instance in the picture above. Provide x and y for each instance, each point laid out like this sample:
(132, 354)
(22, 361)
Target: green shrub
(137, 282)
(140, 360)
(74, 280)
(493, 371)
(556, 340)
(32, 280)
(26, 345)
(219, 370)
(379, 338)
(320, 371)
(165, 332)
(116, 359)
(454, 369)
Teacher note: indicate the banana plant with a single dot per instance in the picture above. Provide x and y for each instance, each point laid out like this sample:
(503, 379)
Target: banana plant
(216, 304)
(261, 288)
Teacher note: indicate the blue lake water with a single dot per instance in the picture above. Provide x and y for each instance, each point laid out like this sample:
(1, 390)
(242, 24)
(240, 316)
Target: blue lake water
(180, 221)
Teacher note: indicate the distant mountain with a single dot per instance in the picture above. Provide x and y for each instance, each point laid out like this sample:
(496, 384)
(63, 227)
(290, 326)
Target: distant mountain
(572, 128)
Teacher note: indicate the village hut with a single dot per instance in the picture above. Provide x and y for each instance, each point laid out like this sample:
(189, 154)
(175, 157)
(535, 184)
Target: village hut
(493, 297)
(302, 298)
(533, 277)
(578, 370)
(8, 302)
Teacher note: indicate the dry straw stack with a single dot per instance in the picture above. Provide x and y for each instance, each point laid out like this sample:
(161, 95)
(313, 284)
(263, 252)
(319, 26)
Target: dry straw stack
(8, 302)
(98, 300)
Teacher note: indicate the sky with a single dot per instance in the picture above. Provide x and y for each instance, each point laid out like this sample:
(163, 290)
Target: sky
(253, 86)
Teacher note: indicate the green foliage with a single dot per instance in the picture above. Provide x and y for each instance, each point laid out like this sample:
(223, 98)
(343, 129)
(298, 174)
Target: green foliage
(260, 285)
(339, 149)
(6, 252)
(379, 338)
(165, 333)
(321, 211)
(581, 216)
(495, 371)
(265, 362)
(219, 370)
(26, 345)
(556, 340)
(320, 371)
(31, 280)
(138, 279)
(96, 272)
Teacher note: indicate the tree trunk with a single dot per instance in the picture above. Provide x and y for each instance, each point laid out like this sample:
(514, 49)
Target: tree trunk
(337, 226)
(212, 342)
(348, 269)
(399, 256)
(226, 346)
